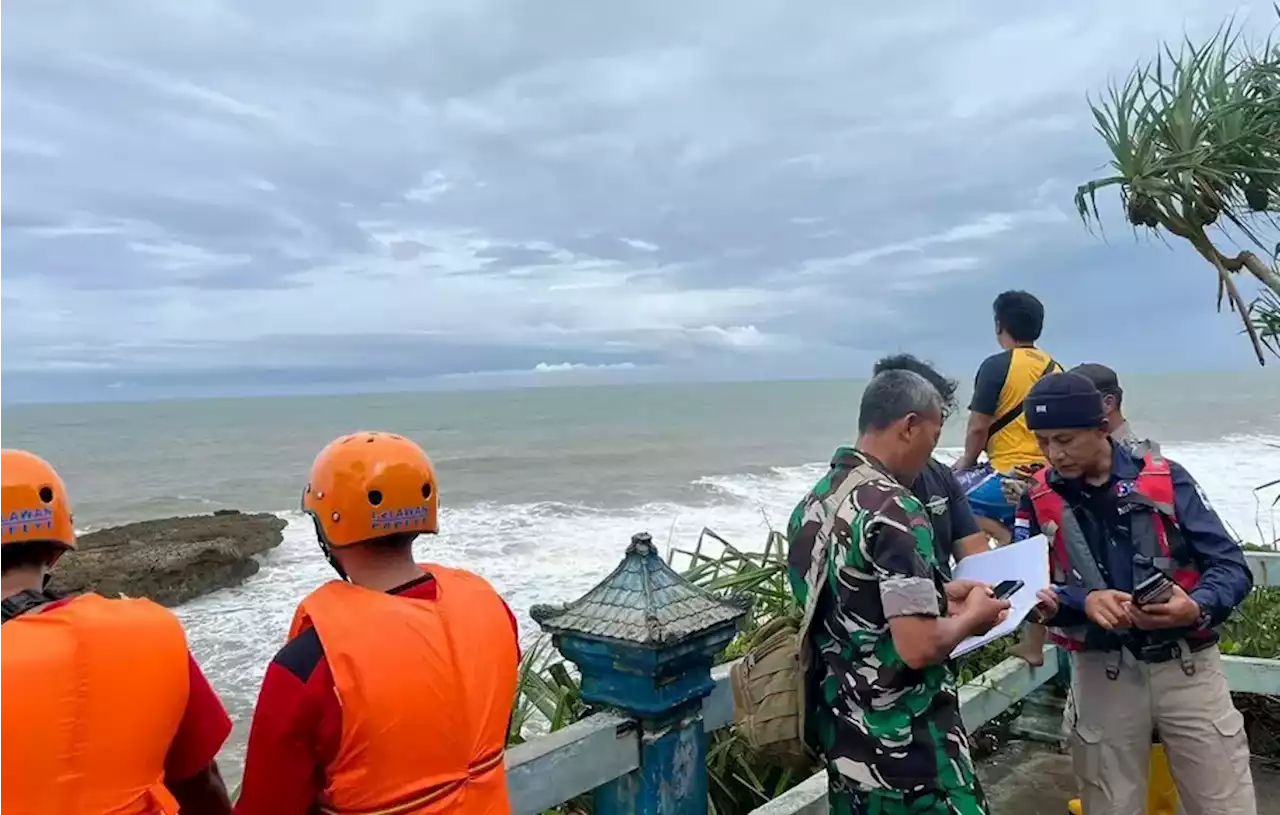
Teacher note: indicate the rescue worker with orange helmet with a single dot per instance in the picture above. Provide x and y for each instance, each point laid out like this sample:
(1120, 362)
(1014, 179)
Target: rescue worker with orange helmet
(394, 691)
(1143, 570)
(105, 712)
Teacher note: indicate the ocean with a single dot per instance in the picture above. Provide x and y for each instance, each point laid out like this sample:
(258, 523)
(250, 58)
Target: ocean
(542, 488)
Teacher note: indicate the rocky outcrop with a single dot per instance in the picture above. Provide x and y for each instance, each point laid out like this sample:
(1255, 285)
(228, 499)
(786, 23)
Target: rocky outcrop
(171, 560)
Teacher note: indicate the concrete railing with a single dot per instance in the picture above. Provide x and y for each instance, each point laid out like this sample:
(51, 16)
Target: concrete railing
(552, 769)
(599, 750)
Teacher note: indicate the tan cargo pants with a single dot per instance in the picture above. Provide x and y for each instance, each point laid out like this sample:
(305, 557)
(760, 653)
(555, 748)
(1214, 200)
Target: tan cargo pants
(1203, 735)
(1068, 723)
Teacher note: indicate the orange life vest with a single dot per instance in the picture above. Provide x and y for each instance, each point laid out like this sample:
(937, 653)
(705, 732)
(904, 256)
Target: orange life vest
(426, 688)
(94, 691)
(1149, 502)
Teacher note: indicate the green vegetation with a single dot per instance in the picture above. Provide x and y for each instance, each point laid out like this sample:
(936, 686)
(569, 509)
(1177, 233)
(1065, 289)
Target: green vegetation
(550, 699)
(1194, 137)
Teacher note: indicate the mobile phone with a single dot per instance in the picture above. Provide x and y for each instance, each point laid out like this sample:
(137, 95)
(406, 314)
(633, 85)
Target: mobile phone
(1155, 589)
(1006, 589)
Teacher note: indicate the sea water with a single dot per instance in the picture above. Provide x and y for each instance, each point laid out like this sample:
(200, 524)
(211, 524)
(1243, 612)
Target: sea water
(542, 489)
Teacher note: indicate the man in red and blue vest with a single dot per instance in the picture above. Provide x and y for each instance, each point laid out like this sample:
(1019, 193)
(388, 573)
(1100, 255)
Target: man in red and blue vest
(1142, 656)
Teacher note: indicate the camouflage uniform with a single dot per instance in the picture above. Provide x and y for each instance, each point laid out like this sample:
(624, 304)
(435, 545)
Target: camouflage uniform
(891, 736)
(1130, 441)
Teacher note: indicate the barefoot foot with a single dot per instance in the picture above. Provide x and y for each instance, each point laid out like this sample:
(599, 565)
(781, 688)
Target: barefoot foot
(1028, 653)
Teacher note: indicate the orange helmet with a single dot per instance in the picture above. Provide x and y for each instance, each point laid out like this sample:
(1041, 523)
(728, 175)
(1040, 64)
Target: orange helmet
(369, 485)
(34, 501)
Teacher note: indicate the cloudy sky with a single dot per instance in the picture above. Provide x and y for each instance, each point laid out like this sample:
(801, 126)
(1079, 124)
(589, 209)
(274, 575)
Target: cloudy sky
(223, 196)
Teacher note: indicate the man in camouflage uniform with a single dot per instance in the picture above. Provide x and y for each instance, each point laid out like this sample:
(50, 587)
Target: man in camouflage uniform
(884, 710)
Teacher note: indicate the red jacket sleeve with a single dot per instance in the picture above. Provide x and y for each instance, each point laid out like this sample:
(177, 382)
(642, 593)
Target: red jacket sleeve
(282, 771)
(203, 729)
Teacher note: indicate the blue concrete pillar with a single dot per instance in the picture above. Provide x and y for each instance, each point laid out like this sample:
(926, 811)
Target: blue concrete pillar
(644, 640)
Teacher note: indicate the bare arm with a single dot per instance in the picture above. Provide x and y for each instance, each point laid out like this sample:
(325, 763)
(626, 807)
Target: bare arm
(969, 539)
(925, 641)
(972, 545)
(975, 439)
(987, 385)
(922, 633)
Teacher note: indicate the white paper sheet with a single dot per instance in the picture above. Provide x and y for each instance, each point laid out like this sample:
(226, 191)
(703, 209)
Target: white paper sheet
(1027, 561)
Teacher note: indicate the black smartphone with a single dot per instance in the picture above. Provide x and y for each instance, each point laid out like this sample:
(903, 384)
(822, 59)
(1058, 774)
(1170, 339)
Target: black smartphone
(1006, 589)
(1155, 589)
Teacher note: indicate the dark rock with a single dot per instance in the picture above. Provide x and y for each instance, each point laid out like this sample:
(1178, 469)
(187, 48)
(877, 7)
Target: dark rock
(171, 560)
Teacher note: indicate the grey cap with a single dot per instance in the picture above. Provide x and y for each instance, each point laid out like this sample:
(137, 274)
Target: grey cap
(1102, 377)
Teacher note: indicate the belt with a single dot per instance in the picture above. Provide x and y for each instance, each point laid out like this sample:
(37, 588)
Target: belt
(1157, 653)
(1162, 652)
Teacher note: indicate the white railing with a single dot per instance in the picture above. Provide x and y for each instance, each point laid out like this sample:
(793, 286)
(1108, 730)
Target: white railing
(557, 767)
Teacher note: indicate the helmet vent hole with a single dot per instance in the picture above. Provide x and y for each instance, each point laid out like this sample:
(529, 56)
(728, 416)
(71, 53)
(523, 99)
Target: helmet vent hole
(46, 495)
(426, 490)
(369, 440)
(375, 497)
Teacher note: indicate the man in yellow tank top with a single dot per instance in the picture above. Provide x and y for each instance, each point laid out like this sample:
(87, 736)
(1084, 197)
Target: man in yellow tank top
(996, 424)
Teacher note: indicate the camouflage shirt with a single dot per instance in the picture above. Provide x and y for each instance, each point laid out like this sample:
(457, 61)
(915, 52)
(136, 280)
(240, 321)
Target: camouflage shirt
(884, 728)
(1130, 441)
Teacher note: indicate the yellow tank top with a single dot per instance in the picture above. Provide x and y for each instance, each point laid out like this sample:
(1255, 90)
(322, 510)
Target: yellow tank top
(1013, 445)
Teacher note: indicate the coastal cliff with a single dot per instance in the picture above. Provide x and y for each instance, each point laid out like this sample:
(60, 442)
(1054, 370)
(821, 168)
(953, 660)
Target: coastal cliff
(170, 560)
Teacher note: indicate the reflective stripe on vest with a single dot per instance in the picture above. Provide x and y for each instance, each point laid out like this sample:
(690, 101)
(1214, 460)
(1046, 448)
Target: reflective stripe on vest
(94, 691)
(427, 689)
(1155, 535)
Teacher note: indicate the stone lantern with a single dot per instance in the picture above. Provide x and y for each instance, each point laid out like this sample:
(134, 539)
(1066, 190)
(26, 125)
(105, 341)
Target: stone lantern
(644, 640)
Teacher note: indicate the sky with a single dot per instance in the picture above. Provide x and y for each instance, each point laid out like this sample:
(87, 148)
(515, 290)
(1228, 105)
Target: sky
(217, 197)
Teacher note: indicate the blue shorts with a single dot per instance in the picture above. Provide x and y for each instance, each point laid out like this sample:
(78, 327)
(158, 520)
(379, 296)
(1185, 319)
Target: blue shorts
(984, 488)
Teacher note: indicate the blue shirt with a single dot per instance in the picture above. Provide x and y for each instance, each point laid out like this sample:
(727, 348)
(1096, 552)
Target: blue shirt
(1225, 579)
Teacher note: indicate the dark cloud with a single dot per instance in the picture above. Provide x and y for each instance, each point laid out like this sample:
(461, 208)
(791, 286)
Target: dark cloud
(222, 188)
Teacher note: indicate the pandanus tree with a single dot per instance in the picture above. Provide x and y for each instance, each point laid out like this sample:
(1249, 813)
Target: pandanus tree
(1194, 137)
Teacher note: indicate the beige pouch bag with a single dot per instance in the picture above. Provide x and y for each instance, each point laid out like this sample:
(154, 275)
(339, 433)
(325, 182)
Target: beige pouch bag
(769, 683)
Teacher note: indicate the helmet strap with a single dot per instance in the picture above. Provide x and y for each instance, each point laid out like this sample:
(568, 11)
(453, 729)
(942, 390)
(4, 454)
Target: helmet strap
(328, 550)
(333, 561)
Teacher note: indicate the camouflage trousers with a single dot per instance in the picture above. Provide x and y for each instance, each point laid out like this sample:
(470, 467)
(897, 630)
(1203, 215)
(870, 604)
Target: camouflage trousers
(844, 798)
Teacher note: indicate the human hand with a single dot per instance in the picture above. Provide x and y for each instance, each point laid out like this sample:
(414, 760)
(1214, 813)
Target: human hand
(1109, 608)
(1026, 472)
(958, 590)
(1016, 483)
(1012, 489)
(1179, 611)
(1047, 606)
(982, 611)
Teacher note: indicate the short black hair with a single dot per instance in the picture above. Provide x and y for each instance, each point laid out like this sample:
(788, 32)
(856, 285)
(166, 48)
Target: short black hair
(30, 553)
(891, 395)
(945, 386)
(1020, 314)
(1103, 378)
